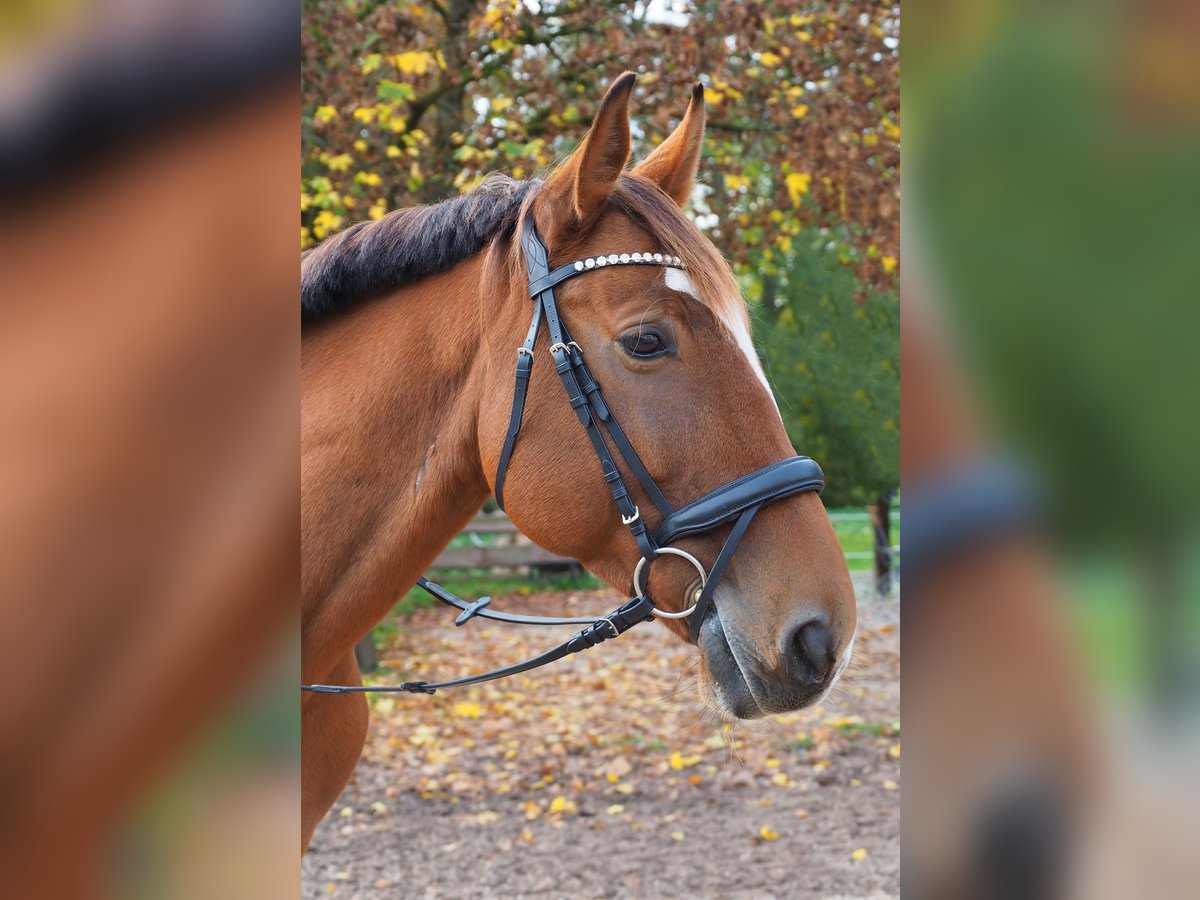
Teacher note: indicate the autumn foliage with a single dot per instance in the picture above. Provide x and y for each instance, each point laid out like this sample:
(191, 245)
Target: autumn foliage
(409, 102)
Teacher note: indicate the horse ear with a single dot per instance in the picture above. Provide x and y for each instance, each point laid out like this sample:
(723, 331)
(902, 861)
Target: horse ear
(577, 190)
(672, 165)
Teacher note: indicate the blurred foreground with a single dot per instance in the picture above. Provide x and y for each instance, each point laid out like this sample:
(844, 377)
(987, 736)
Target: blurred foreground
(148, 356)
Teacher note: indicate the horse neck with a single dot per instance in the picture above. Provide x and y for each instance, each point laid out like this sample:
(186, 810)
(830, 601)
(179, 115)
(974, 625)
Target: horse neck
(390, 455)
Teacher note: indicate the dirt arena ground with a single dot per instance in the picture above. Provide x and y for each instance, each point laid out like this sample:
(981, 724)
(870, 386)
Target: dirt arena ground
(603, 777)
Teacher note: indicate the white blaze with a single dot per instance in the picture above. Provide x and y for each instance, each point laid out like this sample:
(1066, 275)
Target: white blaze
(677, 280)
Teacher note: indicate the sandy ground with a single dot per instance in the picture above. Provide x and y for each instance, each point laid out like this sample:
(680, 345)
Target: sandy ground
(603, 776)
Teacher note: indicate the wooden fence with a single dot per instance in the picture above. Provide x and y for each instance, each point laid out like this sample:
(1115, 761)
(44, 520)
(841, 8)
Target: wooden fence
(506, 547)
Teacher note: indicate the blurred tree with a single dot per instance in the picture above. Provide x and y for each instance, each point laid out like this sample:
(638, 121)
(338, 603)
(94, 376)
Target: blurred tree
(835, 368)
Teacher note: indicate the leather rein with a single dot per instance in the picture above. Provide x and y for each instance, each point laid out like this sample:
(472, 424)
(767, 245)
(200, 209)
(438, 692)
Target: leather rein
(736, 501)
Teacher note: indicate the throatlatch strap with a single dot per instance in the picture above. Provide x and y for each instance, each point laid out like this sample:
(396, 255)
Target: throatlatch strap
(520, 389)
(704, 601)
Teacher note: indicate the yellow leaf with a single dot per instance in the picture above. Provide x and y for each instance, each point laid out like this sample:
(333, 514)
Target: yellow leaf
(371, 62)
(532, 809)
(360, 145)
(486, 817)
(365, 114)
(767, 833)
(465, 709)
(870, 140)
(325, 223)
(860, 853)
(615, 809)
(894, 751)
(393, 151)
(679, 761)
(377, 212)
(889, 264)
(414, 61)
(527, 836)
(677, 835)
(736, 182)
(324, 114)
(770, 59)
(800, 111)
(500, 104)
(780, 778)
(772, 763)
(890, 786)
(339, 163)
(558, 804)
(803, 36)
(713, 97)
(797, 186)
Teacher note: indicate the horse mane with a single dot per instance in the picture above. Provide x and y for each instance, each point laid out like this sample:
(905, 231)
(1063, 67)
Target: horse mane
(371, 257)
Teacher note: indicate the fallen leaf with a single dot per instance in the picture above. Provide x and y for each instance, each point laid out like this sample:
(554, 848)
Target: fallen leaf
(679, 761)
(860, 853)
(767, 833)
(466, 710)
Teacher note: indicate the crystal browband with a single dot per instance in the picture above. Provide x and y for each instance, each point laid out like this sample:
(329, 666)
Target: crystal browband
(627, 259)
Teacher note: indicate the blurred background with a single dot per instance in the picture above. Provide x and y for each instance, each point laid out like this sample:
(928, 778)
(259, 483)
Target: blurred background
(1050, 329)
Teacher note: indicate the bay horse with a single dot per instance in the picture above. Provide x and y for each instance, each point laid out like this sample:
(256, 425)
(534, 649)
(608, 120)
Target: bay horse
(407, 384)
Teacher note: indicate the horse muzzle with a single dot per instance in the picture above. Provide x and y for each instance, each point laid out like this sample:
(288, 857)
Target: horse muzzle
(741, 682)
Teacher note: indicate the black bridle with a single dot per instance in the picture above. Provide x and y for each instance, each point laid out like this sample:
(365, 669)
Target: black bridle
(736, 501)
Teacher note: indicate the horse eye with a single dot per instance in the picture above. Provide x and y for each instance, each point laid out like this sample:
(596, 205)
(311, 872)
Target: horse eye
(644, 344)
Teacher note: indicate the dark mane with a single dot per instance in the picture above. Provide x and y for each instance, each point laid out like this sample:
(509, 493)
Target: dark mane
(406, 245)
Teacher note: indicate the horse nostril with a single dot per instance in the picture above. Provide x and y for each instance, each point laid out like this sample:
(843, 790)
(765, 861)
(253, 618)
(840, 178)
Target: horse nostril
(811, 652)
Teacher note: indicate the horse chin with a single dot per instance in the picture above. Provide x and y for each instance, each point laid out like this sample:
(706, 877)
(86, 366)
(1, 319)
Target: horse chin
(723, 685)
(732, 685)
